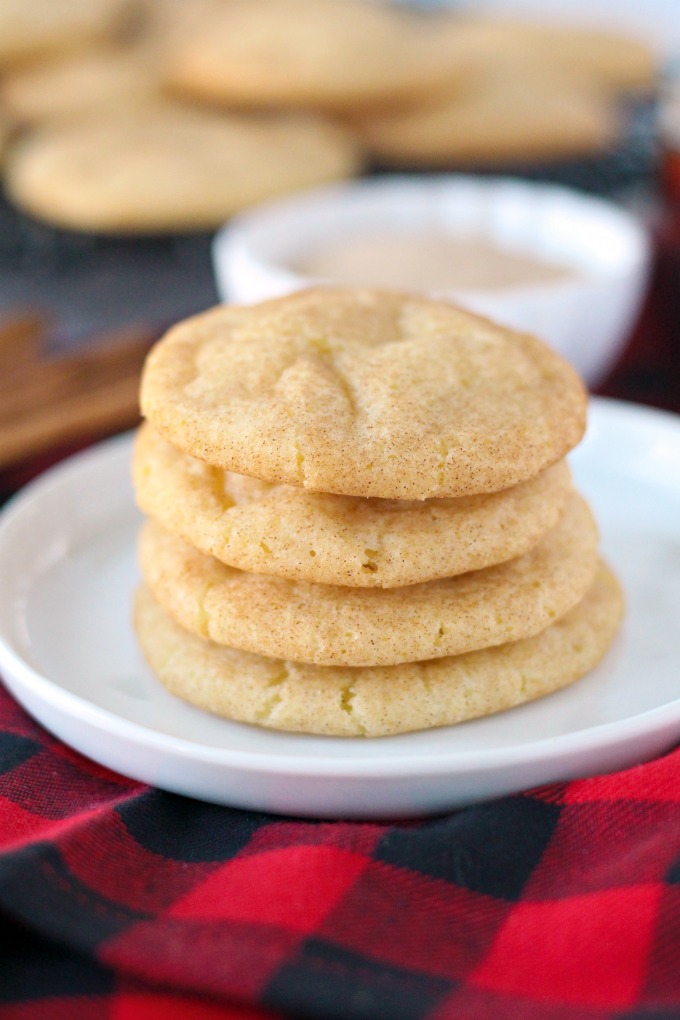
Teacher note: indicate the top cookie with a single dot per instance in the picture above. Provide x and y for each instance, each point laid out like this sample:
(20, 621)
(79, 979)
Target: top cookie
(364, 393)
(318, 54)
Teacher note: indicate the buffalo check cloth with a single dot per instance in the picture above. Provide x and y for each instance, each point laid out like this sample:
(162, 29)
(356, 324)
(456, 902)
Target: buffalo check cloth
(121, 902)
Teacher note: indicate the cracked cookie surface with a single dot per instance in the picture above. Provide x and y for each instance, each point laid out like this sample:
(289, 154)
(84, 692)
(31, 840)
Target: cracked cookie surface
(364, 393)
(344, 540)
(330, 625)
(337, 701)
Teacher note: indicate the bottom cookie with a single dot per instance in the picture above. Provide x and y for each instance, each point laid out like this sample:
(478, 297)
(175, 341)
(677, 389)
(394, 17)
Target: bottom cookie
(378, 701)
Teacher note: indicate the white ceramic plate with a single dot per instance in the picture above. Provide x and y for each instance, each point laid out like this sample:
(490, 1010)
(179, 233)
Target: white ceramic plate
(68, 654)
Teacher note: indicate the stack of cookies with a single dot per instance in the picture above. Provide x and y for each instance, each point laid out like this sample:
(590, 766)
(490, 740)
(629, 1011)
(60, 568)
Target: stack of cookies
(361, 521)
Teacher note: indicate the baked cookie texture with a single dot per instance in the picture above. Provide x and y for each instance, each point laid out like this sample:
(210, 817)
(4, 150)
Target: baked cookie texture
(364, 393)
(168, 168)
(315, 54)
(89, 82)
(373, 702)
(331, 625)
(413, 87)
(361, 522)
(281, 529)
(37, 28)
(501, 115)
(527, 93)
(611, 61)
(5, 132)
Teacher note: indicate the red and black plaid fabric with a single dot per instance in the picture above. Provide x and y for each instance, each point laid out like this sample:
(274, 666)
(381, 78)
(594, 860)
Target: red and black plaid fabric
(120, 901)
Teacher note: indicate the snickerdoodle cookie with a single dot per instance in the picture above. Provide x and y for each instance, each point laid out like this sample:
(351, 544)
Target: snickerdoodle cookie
(332, 625)
(169, 168)
(502, 115)
(312, 536)
(364, 393)
(316, 54)
(373, 702)
(93, 81)
(34, 28)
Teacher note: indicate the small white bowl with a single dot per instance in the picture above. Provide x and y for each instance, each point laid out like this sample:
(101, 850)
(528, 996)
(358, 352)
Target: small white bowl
(586, 316)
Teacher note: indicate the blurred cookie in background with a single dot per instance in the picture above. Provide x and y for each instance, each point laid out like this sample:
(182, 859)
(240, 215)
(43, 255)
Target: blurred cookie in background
(528, 93)
(319, 54)
(4, 132)
(166, 22)
(613, 61)
(503, 115)
(35, 28)
(167, 168)
(69, 86)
